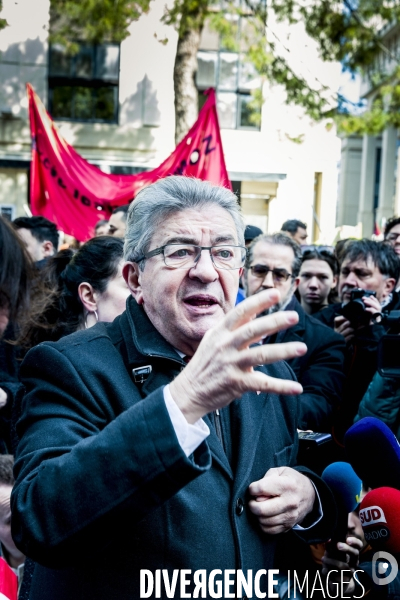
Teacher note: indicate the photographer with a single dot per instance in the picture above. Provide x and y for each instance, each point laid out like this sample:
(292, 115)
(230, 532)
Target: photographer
(372, 267)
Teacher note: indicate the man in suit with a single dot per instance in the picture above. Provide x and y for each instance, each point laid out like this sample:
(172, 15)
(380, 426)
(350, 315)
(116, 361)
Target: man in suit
(158, 443)
(273, 262)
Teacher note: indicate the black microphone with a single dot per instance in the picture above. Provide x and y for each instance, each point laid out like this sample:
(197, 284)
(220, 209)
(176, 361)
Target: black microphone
(374, 453)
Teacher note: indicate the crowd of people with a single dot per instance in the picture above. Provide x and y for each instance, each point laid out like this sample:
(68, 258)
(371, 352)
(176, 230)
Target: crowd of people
(153, 409)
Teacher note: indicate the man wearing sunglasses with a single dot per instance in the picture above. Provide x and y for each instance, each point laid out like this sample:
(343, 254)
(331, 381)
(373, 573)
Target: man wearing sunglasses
(273, 262)
(160, 444)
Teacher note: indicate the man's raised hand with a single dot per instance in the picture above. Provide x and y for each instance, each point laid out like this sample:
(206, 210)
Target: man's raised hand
(222, 368)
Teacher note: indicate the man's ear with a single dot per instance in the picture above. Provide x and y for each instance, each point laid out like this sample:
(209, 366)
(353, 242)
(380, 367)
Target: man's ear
(388, 286)
(334, 282)
(133, 275)
(87, 296)
(296, 282)
(48, 248)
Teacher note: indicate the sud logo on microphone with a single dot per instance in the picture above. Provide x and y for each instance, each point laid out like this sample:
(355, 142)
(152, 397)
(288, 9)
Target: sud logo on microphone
(379, 516)
(374, 524)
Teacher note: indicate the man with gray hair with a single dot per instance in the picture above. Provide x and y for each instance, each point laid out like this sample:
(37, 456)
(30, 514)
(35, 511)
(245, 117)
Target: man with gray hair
(273, 262)
(141, 474)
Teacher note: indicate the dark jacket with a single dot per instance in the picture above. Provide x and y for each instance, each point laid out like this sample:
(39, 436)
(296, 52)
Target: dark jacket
(382, 400)
(360, 365)
(328, 314)
(103, 488)
(320, 371)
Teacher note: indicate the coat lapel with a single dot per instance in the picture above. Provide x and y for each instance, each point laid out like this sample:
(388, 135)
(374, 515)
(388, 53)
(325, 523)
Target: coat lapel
(247, 415)
(216, 448)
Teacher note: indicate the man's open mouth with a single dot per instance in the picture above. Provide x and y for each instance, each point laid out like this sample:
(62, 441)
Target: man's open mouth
(201, 301)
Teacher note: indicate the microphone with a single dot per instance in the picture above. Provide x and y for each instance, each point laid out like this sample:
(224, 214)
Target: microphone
(374, 453)
(380, 519)
(346, 488)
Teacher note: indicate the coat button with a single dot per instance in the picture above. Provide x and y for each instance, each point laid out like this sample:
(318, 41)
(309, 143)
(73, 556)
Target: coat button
(239, 506)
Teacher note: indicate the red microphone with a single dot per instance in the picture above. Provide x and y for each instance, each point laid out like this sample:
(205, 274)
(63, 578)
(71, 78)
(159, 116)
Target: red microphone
(380, 518)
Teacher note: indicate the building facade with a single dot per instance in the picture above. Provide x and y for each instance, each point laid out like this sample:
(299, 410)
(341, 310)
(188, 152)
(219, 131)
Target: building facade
(115, 105)
(369, 189)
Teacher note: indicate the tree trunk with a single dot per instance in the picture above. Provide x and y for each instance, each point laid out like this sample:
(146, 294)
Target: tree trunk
(186, 96)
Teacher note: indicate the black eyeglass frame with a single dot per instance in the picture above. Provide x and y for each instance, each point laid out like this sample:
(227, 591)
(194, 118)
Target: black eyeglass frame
(160, 250)
(268, 270)
(315, 248)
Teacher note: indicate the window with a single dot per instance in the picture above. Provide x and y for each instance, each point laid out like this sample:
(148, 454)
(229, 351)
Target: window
(7, 211)
(232, 76)
(84, 87)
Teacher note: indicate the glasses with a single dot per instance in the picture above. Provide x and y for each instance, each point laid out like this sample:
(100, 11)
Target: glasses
(392, 237)
(184, 256)
(278, 275)
(312, 247)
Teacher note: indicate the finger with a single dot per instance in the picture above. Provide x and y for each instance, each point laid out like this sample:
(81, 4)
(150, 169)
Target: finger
(270, 353)
(271, 485)
(371, 301)
(255, 330)
(250, 308)
(259, 382)
(276, 481)
(339, 320)
(345, 325)
(354, 546)
(347, 332)
(269, 510)
(354, 542)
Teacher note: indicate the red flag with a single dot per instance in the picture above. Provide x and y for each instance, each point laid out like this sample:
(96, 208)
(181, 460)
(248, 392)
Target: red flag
(8, 582)
(74, 194)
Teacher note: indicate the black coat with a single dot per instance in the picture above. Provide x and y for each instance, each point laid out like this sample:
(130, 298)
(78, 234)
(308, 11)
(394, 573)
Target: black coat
(361, 362)
(320, 371)
(103, 489)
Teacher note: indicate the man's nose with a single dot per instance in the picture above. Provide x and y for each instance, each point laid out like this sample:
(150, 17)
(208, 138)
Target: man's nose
(268, 281)
(204, 268)
(313, 282)
(351, 280)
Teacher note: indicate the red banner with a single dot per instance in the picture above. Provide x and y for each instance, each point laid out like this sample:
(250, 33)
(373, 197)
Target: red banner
(8, 582)
(75, 195)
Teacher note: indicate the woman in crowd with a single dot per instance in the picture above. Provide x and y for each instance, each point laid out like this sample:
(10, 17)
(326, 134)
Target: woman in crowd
(16, 277)
(78, 290)
(318, 279)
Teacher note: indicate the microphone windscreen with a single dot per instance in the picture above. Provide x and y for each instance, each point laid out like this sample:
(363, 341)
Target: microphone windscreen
(345, 484)
(380, 519)
(374, 453)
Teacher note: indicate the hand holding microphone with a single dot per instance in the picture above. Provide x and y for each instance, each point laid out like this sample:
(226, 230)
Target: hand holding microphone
(346, 487)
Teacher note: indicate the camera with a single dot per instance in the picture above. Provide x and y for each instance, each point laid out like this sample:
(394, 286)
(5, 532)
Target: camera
(355, 310)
